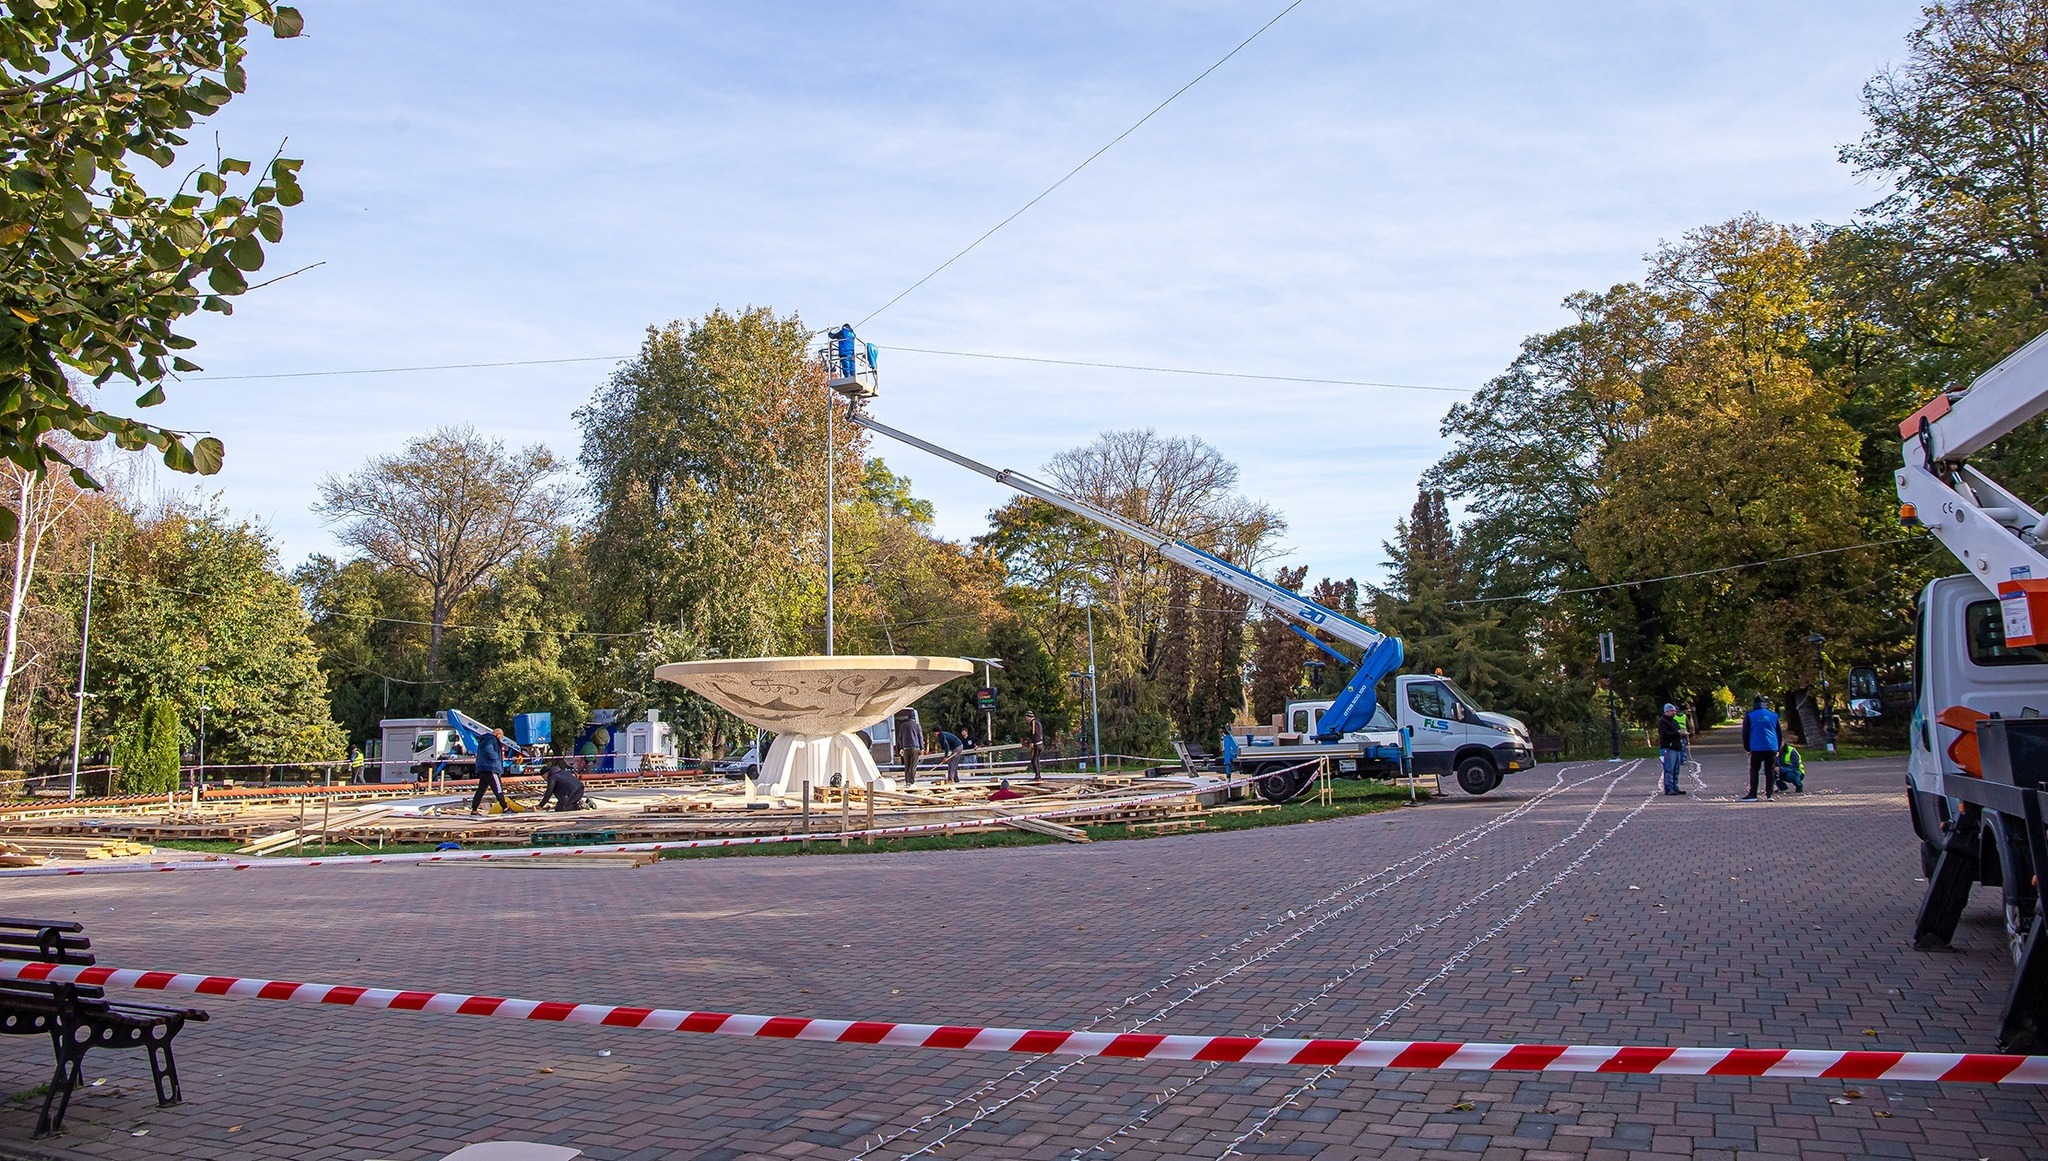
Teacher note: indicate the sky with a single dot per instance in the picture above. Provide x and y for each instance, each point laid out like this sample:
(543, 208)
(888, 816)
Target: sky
(1371, 190)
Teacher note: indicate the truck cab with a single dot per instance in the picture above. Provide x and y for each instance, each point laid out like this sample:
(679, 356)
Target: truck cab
(1449, 734)
(1963, 668)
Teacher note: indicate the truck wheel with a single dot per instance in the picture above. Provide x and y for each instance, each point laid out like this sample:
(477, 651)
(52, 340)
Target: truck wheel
(1476, 775)
(1282, 787)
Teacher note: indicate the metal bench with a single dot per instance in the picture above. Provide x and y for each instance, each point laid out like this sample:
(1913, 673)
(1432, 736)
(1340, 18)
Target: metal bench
(1548, 747)
(79, 1017)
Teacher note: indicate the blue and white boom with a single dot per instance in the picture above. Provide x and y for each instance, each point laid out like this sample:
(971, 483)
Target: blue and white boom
(1352, 709)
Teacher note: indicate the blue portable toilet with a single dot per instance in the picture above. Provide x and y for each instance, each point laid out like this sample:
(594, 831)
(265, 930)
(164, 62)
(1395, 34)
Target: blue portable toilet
(533, 729)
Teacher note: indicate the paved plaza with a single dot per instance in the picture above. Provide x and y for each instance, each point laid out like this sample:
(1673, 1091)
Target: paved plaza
(1574, 905)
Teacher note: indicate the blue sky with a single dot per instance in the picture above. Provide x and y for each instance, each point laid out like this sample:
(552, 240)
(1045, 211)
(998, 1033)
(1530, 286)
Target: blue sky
(1384, 191)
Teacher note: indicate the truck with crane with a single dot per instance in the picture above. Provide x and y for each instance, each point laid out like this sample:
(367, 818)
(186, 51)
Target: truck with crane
(1977, 771)
(1441, 729)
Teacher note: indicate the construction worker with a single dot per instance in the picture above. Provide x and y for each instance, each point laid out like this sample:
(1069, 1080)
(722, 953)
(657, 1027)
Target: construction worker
(1760, 739)
(952, 748)
(1034, 741)
(563, 786)
(1791, 768)
(355, 764)
(909, 743)
(1671, 746)
(842, 335)
(490, 763)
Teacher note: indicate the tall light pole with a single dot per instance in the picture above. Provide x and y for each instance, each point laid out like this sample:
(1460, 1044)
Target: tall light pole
(1827, 695)
(199, 775)
(1613, 719)
(92, 552)
(1094, 697)
(988, 682)
(831, 502)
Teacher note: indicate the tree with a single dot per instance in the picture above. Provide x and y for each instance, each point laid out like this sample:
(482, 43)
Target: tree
(147, 752)
(704, 456)
(94, 269)
(184, 587)
(1279, 655)
(41, 499)
(446, 511)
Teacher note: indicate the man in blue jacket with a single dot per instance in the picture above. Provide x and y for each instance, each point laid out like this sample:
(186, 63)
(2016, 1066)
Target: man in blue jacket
(1760, 738)
(490, 762)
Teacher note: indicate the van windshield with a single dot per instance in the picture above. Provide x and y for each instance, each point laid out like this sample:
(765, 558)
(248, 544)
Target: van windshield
(1381, 719)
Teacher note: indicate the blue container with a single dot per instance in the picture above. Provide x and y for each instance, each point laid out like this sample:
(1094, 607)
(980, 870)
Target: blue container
(533, 729)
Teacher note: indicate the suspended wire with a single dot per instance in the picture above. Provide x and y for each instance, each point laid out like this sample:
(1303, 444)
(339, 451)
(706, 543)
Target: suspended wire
(1551, 594)
(1019, 212)
(1183, 370)
(1141, 367)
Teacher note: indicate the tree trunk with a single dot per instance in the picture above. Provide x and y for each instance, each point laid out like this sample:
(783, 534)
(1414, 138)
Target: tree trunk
(439, 617)
(24, 564)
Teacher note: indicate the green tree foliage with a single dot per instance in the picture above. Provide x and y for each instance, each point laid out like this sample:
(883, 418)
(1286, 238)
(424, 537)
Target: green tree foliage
(1030, 680)
(94, 269)
(447, 511)
(183, 587)
(146, 752)
(1279, 658)
(704, 456)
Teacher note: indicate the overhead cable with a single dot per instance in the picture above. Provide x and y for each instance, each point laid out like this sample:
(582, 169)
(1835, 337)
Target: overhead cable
(1042, 194)
(1547, 594)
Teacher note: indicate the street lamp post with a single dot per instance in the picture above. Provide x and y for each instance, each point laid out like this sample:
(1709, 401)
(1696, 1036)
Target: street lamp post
(1827, 695)
(1613, 718)
(1094, 698)
(199, 775)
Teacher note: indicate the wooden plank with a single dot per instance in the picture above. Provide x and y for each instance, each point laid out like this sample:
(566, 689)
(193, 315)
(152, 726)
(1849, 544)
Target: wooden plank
(1046, 826)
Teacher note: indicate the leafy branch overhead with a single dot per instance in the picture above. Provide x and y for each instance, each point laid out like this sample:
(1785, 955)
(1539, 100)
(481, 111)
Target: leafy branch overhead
(95, 268)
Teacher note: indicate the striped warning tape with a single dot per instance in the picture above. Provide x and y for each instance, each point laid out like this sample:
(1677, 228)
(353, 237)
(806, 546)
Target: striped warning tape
(1972, 1067)
(248, 864)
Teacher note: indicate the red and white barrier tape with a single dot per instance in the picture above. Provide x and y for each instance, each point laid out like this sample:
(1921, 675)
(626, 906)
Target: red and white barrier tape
(1973, 1067)
(454, 856)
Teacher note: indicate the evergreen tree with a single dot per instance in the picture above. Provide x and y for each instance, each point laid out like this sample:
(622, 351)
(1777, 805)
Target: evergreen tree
(147, 750)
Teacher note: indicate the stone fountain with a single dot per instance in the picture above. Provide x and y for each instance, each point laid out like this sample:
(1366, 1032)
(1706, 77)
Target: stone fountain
(813, 705)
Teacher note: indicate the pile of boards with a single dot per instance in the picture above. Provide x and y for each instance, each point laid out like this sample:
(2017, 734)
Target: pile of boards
(34, 850)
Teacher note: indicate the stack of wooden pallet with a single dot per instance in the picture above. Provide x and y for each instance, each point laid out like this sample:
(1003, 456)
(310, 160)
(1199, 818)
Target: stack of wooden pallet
(78, 848)
(14, 856)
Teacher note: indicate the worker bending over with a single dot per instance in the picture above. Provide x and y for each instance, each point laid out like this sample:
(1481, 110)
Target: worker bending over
(563, 786)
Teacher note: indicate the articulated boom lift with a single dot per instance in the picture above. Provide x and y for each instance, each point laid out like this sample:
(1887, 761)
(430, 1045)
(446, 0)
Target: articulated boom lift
(1978, 770)
(1381, 654)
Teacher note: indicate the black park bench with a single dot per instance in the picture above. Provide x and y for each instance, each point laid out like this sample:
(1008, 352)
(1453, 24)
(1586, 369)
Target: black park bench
(77, 1017)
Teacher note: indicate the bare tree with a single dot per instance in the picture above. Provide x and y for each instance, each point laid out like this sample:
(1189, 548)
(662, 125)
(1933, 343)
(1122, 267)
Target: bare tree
(447, 510)
(41, 499)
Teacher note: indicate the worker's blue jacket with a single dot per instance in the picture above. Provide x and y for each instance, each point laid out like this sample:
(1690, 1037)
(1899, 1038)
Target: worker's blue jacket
(490, 755)
(1760, 731)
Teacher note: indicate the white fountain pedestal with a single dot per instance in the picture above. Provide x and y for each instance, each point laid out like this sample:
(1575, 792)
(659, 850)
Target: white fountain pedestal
(814, 704)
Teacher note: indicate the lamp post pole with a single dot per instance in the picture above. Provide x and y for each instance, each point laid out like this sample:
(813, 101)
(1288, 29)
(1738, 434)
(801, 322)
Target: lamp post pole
(84, 647)
(1827, 695)
(831, 502)
(1613, 718)
(199, 775)
(1094, 698)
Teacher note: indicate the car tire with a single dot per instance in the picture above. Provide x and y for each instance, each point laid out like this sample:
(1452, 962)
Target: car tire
(1476, 775)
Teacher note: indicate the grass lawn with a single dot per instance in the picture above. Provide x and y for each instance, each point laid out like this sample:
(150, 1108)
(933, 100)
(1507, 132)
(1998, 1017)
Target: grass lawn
(1351, 797)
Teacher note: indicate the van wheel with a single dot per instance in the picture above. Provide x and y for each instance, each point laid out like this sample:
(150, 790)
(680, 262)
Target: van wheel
(1476, 775)
(1283, 788)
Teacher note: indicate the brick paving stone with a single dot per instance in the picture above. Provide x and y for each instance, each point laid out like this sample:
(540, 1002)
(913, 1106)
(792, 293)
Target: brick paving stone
(1699, 921)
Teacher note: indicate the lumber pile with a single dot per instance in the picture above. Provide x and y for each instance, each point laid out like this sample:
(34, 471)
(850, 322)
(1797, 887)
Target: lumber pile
(626, 859)
(1045, 826)
(14, 856)
(77, 848)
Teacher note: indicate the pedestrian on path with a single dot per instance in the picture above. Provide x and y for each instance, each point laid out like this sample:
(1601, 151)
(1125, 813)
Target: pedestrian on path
(490, 760)
(1760, 738)
(1034, 741)
(1672, 740)
(1791, 768)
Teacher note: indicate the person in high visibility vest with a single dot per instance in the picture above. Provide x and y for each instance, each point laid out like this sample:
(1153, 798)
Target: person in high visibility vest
(355, 764)
(1791, 768)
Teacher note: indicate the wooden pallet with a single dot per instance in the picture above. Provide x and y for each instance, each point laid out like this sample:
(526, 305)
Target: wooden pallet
(1171, 825)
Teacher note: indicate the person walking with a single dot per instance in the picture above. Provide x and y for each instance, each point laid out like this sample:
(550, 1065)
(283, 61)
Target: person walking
(1760, 738)
(490, 762)
(951, 747)
(1034, 742)
(1791, 768)
(909, 743)
(1672, 739)
(355, 764)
